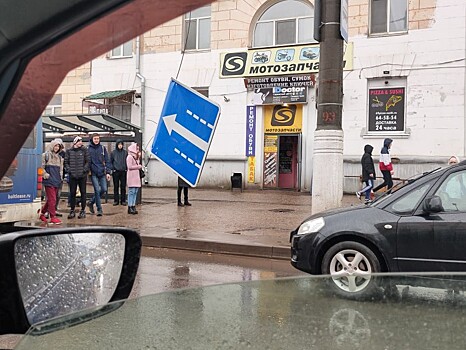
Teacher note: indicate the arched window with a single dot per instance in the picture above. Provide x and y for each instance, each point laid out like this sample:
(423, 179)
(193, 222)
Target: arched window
(285, 23)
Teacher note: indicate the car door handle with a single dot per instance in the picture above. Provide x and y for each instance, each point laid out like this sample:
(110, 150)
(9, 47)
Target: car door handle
(388, 227)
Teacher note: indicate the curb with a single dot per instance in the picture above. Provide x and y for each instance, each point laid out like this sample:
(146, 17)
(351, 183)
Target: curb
(259, 251)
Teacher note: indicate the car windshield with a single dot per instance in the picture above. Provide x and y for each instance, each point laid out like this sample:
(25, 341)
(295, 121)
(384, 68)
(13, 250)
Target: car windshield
(404, 183)
(282, 313)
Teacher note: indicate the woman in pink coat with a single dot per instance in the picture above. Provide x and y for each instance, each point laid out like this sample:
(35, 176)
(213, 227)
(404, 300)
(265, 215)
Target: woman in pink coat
(133, 178)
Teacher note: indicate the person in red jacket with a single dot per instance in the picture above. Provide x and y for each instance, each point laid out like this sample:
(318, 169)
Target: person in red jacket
(385, 166)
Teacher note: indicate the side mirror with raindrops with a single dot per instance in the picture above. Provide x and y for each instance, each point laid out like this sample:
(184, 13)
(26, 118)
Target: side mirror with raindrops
(50, 273)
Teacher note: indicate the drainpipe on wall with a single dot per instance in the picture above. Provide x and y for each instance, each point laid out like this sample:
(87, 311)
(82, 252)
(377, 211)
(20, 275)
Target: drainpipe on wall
(143, 98)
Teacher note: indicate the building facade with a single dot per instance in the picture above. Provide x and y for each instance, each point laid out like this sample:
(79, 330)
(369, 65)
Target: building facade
(404, 78)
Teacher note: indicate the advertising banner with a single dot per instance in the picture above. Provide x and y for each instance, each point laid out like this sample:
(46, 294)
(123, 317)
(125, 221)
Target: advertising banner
(250, 131)
(277, 61)
(251, 169)
(387, 109)
(283, 81)
(270, 160)
(280, 95)
(283, 119)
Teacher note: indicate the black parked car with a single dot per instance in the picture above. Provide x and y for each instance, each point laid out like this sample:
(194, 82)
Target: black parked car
(418, 227)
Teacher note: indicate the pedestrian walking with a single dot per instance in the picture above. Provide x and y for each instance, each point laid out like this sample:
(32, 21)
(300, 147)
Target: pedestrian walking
(119, 168)
(368, 173)
(77, 167)
(133, 165)
(183, 186)
(52, 164)
(100, 172)
(385, 165)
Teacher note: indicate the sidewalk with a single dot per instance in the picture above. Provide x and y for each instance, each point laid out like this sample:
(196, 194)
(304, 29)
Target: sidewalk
(254, 223)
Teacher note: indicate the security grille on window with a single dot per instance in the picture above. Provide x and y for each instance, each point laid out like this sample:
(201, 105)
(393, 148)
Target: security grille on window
(388, 16)
(125, 50)
(54, 106)
(286, 22)
(197, 29)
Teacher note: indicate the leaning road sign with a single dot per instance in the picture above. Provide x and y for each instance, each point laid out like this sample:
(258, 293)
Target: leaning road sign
(185, 130)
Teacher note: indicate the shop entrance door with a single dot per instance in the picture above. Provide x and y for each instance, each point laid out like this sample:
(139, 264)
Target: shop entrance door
(288, 162)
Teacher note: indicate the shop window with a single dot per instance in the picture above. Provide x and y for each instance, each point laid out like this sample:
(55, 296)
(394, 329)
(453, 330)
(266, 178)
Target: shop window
(122, 51)
(388, 16)
(197, 29)
(285, 23)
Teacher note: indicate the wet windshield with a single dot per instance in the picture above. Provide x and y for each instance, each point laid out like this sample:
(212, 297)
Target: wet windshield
(288, 313)
(403, 183)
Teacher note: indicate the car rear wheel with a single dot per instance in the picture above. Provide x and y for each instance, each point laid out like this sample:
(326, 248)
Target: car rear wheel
(351, 266)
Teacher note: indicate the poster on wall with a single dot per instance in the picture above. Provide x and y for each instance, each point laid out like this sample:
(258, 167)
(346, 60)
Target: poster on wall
(387, 109)
(270, 160)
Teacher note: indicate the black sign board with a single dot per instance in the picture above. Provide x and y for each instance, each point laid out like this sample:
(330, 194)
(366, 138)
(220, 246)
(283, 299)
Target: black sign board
(283, 81)
(387, 109)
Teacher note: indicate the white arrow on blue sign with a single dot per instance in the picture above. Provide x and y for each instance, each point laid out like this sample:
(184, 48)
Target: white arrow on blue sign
(185, 131)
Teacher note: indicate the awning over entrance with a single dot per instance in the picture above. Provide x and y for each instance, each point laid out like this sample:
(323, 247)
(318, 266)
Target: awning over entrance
(69, 126)
(109, 94)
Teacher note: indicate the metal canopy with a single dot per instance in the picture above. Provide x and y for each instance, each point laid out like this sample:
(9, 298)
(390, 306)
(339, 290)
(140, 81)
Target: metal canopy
(74, 124)
(108, 94)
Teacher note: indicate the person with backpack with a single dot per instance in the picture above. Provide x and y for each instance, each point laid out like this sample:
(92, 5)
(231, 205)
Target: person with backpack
(77, 167)
(52, 165)
(118, 161)
(368, 173)
(100, 172)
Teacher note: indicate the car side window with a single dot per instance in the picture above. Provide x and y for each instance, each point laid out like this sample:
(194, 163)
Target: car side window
(452, 192)
(409, 202)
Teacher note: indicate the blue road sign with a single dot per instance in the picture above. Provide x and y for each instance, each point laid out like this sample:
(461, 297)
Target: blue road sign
(185, 131)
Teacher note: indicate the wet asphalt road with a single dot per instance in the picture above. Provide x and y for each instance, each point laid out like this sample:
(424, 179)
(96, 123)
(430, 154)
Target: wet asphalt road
(166, 269)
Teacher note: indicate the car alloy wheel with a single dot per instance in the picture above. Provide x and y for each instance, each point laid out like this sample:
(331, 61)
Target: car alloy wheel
(351, 265)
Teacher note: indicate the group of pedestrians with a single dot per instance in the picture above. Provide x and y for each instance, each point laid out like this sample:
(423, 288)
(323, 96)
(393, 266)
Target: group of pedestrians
(386, 168)
(79, 162)
(368, 171)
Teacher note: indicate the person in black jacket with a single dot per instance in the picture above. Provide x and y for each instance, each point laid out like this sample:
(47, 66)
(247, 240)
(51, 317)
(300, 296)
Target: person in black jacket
(368, 173)
(118, 161)
(77, 167)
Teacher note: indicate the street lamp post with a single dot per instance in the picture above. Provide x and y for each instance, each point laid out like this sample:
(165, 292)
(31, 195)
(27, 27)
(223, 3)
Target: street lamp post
(327, 179)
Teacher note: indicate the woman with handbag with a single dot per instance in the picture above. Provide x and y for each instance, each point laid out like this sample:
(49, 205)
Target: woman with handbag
(133, 176)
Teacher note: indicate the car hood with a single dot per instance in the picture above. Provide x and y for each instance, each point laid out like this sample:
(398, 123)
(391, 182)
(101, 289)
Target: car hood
(331, 212)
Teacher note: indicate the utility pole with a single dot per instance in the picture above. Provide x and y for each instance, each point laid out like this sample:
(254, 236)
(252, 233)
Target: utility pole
(327, 179)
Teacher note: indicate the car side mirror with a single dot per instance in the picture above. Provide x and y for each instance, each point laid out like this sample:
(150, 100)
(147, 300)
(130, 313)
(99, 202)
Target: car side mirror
(433, 204)
(54, 272)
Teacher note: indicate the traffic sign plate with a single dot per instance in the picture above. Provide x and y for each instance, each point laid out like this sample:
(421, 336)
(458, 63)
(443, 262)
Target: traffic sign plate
(185, 130)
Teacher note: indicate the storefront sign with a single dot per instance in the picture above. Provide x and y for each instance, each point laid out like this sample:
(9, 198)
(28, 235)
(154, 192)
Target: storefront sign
(277, 61)
(286, 81)
(251, 131)
(387, 109)
(251, 169)
(283, 119)
(270, 160)
(280, 95)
